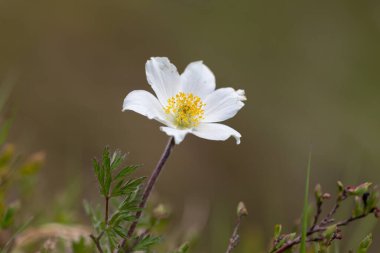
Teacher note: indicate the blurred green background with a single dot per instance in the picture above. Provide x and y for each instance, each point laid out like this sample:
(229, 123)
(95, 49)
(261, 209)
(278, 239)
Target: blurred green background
(310, 69)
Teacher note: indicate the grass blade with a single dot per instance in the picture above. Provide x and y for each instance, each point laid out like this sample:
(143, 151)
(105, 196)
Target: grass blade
(305, 208)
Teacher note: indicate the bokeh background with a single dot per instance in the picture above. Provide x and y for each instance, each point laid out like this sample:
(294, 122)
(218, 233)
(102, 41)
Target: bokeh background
(311, 72)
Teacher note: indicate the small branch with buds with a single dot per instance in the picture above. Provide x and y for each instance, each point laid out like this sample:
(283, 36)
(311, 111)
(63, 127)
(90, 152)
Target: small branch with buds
(366, 198)
(234, 240)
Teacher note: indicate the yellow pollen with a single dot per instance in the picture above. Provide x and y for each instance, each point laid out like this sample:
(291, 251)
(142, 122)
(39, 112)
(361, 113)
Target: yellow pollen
(187, 109)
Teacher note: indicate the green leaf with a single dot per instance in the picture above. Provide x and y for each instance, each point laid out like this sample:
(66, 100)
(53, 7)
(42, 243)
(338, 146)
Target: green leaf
(131, 186)
(277, 231)
(82, 246)
(8, 217)
(117, 159)
(107, 171)
(365, 244)
(305, 208)
(99, 172)
(146, 242)
(125, 171)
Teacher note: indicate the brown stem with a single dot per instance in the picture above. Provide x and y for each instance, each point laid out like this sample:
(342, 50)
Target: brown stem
(97, 243)
(316, 217)
(148, 188)
(329, 216)
(234, 240)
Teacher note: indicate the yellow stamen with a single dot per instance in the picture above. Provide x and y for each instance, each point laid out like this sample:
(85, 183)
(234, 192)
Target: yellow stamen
(187, 109)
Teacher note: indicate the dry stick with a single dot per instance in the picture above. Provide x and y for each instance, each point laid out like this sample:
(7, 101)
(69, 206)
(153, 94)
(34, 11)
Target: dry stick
(148, 188)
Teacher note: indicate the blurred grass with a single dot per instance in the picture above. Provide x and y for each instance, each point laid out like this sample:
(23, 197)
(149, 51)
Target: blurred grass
(305, 213)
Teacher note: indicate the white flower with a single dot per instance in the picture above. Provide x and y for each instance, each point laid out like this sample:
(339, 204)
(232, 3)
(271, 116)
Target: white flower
(186, 103)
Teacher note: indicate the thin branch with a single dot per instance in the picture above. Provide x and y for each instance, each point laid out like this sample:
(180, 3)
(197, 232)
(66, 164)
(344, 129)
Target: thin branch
(148, 189)
(96, 239)
(318, 213)
(234, 239)
(320, 228)
(97, 243)
(329, 216)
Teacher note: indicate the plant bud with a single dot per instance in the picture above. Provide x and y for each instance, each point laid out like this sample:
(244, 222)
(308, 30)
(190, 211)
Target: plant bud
(326, 196)
(33, 164)
(358, 190)
(241, 209)
(340, 186)
(377, 212)
(318, 193)
(277, 231)
(329, 232)
(161, 212)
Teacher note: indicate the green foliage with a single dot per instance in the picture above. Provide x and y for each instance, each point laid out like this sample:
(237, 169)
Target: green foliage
(82, 246)
(121, 195)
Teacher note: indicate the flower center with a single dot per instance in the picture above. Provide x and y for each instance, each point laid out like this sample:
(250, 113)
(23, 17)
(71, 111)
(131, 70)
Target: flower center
(186, 108)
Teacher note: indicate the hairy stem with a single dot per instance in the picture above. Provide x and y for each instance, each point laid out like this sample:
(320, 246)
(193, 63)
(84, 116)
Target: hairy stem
(148, 188)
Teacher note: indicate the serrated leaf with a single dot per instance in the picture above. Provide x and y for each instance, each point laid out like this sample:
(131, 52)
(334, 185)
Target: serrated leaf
(117, 159)
(125, 171)
(130, 186)
(147, 242)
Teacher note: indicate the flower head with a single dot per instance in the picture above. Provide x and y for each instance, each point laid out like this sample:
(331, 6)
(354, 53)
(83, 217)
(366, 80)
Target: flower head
(186, 103)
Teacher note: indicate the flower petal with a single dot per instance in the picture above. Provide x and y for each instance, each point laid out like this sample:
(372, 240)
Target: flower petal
(178, 134)
(197, 79)
(216, 132)
(223, 104)
(145, 103)
(163, 77)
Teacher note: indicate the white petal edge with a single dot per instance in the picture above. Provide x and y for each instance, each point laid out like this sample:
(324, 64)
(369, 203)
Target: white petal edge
(197, 79)
(163, 76)
(178, 134)
(223, 104)
(144, 103)
(216, 132)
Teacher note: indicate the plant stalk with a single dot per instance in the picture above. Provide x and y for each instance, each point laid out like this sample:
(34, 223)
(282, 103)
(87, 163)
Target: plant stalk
(149, 187)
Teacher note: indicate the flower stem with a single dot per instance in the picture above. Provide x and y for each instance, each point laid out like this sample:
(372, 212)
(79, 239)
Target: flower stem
(149, 186)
